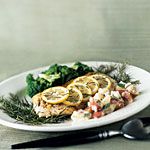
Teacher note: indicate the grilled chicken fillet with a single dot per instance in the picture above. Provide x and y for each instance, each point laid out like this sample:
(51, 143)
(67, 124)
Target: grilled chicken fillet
(44, 109)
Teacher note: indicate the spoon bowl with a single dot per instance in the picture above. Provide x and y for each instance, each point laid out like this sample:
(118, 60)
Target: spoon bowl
(137, 129)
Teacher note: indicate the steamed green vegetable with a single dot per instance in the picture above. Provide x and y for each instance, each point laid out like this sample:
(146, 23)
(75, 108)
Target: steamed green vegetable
(54, 76)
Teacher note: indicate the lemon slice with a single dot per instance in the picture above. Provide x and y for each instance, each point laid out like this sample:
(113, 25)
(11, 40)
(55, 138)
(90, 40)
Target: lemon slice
(104, 81)
(55, 95)
(75, 97)
(85, 90)
(89, 81)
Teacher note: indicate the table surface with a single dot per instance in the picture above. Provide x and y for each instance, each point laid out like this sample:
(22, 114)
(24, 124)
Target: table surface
(38, 33)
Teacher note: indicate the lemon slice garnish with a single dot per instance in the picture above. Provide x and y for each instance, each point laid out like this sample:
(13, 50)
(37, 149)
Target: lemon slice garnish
(85, 90)
(55, 95)
(75, 97)
(89, 81)
(104, 81)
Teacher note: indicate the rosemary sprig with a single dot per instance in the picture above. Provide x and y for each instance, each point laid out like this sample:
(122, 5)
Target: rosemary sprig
(105, 69)
(120, 74)
(117, 72)
(21, 110)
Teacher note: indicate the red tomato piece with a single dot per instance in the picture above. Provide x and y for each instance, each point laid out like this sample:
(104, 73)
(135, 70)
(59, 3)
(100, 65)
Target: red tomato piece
(94, 106)
(97, 114)
(121, 91)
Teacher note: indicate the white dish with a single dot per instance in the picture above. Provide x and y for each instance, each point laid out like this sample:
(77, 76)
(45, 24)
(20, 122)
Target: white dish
(17, 83)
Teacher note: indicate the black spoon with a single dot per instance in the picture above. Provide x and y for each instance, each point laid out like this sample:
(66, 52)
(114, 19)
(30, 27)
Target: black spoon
(135, 129)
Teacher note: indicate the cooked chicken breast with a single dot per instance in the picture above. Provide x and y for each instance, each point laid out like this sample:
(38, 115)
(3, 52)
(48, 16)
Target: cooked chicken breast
(44, 109)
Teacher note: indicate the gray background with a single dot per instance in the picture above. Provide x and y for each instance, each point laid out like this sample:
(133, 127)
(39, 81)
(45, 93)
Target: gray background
(35, 33)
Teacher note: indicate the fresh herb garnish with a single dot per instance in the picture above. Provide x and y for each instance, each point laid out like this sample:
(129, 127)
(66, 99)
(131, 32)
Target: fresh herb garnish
(106, 69)
(121, 74)
(117, 72)
(121, 85)
(21, 110)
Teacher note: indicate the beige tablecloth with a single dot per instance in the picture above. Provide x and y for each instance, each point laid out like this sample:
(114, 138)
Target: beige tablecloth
(35, 33)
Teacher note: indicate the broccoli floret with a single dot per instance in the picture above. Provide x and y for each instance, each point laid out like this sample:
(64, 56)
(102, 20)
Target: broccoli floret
(35, 86)
(67, 73)
(54, 76)
(50, 78)
(82, 68)
(32, 85)
(54, 69)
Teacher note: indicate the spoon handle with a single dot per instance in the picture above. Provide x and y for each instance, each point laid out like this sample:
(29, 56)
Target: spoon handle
(67, 139)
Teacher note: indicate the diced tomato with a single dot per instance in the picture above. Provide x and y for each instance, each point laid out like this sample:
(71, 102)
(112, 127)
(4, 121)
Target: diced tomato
(121, 91)
(97, 114)
(92, 104)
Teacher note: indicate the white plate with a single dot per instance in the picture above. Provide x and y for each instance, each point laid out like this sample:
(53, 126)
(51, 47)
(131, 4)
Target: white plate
(17, 83)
